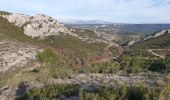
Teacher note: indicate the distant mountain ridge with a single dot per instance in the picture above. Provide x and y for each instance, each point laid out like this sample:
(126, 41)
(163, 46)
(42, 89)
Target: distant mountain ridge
(85, 22)
(120, 28)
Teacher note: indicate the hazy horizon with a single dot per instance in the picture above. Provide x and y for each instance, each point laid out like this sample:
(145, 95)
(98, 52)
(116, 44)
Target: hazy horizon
(116, 11)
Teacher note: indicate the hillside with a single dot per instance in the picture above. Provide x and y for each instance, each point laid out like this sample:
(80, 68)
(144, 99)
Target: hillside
(41, 26)
(75, 47)
(40, 58)
(155, 41)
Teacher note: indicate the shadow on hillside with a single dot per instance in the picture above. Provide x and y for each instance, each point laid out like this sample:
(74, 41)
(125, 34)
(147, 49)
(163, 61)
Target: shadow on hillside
(22, 89)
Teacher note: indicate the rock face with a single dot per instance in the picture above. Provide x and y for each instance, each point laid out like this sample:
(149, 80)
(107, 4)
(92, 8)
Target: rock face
(39, 25)
(15, 54)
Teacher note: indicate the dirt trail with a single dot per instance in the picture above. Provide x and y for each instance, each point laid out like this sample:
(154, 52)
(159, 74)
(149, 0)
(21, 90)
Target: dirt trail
(158, 55)
(105, 59)
(102, 60)
(107, 49)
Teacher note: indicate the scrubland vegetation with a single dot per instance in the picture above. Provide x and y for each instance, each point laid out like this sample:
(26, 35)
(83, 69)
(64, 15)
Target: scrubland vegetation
(72, 50)
(59, 91)
(53, 68)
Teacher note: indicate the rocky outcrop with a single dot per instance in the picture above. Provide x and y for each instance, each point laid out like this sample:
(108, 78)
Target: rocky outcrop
(39, 25)
(18, 19)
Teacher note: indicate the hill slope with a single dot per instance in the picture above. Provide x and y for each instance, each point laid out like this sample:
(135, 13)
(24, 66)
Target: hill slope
(72, 49)
(155, 41)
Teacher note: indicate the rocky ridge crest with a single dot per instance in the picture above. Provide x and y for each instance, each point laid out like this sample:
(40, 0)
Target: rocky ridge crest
(39, 25)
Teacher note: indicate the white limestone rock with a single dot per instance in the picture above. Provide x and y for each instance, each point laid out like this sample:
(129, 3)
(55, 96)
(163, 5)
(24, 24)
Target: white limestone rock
(160, 33)
(14, 54)
(155, 35)
(39, 25)
(18, 19)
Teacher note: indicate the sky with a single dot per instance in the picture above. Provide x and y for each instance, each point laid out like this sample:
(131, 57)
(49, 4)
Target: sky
(119, 11)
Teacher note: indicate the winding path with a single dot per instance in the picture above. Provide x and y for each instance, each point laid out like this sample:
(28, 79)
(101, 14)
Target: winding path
(158, 55)
(105, 59)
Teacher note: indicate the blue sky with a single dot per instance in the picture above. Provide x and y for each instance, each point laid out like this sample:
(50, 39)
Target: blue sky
(123, 11)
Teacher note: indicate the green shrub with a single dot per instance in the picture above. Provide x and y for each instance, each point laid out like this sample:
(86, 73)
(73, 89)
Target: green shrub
(167, 63)
(132, 64)
(52, 66)
(137, 93)
(99, 93)
(62, 72)
(157, 65)
(48, 56)
(136, 64)
(51, 92)
(109, 67)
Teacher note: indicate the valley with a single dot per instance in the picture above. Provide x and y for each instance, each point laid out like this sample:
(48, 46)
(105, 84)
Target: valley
(40, 58)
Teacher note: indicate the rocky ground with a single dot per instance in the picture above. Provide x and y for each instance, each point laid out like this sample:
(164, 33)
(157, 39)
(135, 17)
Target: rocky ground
(15, 54)
(112, 79)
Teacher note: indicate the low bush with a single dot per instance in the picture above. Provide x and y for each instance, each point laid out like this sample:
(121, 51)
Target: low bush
(136, 64)
(132, 64)
(156, 65)
(109, 67)
(48, 56)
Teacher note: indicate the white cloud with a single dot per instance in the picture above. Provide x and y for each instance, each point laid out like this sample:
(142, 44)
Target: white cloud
(134, 11)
